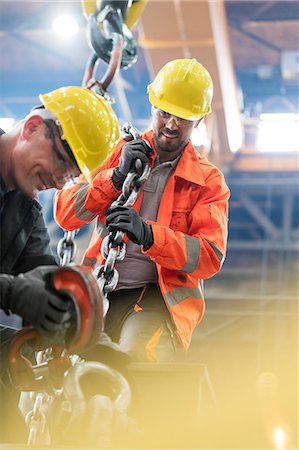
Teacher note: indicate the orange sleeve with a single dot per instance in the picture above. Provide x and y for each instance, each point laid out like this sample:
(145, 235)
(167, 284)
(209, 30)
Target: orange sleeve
(77, 205)
(202, 249)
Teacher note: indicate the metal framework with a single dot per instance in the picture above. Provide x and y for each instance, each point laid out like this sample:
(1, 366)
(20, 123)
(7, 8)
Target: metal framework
(264, 211)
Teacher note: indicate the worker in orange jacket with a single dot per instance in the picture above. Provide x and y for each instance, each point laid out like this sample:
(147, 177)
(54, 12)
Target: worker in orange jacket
(177, 228)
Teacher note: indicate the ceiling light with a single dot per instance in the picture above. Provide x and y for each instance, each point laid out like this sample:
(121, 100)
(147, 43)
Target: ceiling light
(65, 26)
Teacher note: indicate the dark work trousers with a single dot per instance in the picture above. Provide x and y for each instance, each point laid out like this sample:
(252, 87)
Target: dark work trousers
(145, 334)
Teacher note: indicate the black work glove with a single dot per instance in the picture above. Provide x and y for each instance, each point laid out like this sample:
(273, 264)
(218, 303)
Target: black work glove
(28, 296)
(124, 218)
(131, 151)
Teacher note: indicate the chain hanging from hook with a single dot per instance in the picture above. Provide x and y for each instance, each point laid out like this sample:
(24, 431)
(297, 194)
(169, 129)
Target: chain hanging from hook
(112, 41)
(113, 247)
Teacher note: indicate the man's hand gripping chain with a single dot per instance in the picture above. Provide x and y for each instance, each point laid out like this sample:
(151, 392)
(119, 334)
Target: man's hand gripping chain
(113, 247)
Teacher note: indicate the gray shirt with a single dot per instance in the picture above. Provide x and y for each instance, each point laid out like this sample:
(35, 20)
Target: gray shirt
(137, 269)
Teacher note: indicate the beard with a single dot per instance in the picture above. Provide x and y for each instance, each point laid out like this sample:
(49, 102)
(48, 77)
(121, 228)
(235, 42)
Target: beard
(167, 144)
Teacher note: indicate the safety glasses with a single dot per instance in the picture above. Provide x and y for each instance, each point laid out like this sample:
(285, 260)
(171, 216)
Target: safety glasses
(165, 116)
(63, 164)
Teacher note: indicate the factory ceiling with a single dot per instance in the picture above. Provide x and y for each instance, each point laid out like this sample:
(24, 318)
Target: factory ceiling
(259, 53)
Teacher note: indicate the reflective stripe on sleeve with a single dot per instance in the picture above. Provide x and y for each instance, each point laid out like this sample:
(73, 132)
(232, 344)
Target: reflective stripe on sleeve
(90, 262)
(80, 211)
(102, 230)
(180, 294)
(193, 251)
(218, 253)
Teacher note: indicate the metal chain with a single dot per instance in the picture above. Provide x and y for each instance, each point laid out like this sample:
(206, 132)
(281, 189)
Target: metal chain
(66, 248)
(36, 419)
(113, 247)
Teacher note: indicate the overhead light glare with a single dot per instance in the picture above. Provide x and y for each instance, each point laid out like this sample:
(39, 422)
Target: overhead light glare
(7, 123)
(199, 136)
(278, 133)
(279, 438)
(65, 26)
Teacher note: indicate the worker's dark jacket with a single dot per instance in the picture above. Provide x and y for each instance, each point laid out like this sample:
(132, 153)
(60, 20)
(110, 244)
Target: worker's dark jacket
(24, 239)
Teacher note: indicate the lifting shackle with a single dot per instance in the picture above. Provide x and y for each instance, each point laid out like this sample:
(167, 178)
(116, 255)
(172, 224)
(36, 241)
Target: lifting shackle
(80, 284)
(118, 386)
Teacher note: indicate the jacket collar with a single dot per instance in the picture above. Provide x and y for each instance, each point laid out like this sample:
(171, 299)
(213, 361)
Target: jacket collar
(189, 166)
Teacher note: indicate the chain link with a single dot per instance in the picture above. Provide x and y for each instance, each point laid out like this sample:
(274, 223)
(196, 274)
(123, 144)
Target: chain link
(113, 247)
(66, 248)
(36, 418)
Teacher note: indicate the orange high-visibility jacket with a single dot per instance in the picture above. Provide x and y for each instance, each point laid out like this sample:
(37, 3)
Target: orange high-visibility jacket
(190, 233)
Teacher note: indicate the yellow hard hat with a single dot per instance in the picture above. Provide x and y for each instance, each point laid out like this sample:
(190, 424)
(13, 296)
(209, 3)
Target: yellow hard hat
(89, 125)
(184, 88)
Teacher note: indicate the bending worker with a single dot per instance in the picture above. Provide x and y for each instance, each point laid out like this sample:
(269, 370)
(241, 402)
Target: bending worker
(71, 132)
(177, 228)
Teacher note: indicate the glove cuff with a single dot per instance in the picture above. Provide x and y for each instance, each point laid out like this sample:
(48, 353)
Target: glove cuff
(149, 237)
(117, 177)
